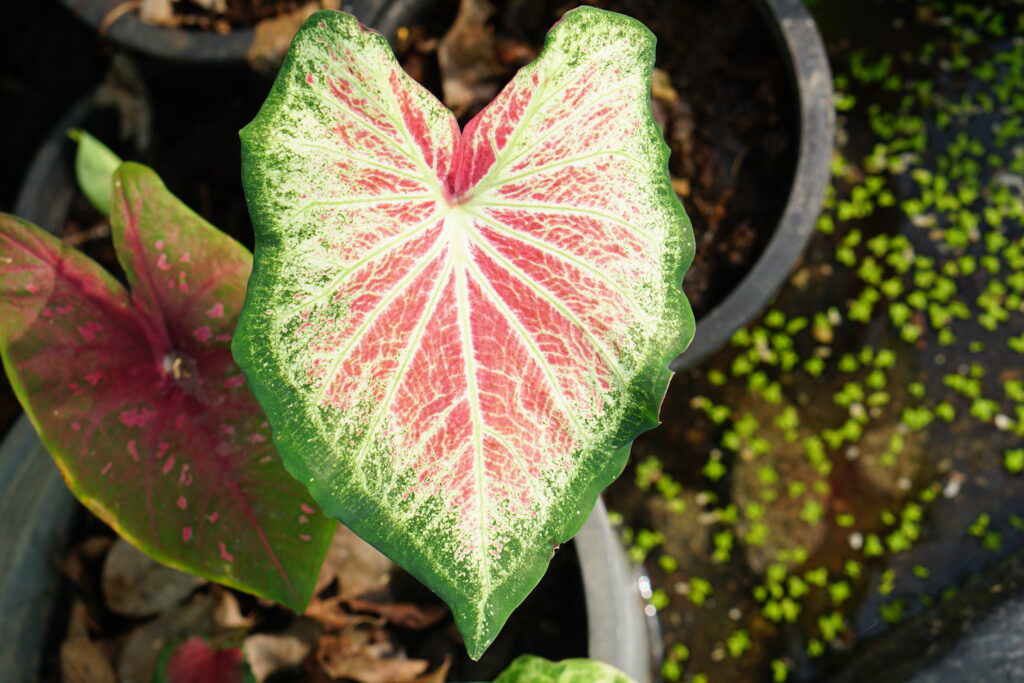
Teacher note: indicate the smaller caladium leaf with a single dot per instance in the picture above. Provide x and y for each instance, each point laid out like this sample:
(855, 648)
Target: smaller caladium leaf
(458, 335)
(94, 168)
(530, 669)
(138, 400)
(195, 661)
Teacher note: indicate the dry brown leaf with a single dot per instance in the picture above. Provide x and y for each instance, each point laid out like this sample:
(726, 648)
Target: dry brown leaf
(82, 661)
(74, 563)
(215, 6)
(438, 675)
(357, 565)
(681, 186)
(331, 613)
(137, 586)
(159, 13)
(73, 568)
(228, 614)
(402, 614)
(468, 58)
(661, 87)
(95, 547)
(79, 621)
(515, 52)
(268, 653)
(273, 36)
(344, 657)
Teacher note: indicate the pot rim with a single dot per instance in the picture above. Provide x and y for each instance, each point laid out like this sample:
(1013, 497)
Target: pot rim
(796, 35)
(182, 45)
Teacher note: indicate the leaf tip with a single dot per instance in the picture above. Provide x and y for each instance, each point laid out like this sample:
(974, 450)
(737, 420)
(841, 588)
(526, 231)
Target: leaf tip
(476, 648)
(95, 165)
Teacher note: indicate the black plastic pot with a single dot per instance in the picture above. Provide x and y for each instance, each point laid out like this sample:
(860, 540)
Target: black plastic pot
(797, 38)
(37, 511)
(198, 47)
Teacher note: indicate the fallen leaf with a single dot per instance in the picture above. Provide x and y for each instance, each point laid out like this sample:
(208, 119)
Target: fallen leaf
(331, 613)
(402, 614)
(468, 58)
(95, 547)
(273, 36)
(269, 653)
(159, 13)
(79, 621)
(137, 586)
(681, 186)
(215, 6)
(343, 657)
(228, 614)
(357, 565)
(74, 563)
(512, 52)
(438, 675)
(81, 661)
(661, 86)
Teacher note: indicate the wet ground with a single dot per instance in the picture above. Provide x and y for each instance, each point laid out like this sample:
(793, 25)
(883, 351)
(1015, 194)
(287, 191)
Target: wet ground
(854, 458)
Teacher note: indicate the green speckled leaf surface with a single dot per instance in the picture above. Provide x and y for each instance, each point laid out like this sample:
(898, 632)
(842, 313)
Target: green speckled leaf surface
(456, 335)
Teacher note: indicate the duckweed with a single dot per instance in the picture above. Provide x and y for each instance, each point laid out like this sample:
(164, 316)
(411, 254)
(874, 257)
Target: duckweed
(809, 431)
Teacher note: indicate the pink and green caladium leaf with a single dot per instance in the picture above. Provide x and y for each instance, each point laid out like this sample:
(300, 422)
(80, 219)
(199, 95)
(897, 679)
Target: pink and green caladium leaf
(137, 397)
(457, 335)
(194, 661)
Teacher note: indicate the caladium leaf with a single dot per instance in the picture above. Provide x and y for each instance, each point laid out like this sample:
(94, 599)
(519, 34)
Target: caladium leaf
(531, 669)
(193, 660)
(137, 397)
(95, 165)
(457, 335)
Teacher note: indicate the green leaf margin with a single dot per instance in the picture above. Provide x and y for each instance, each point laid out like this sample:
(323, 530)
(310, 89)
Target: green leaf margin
(288, 426)
(531, 669)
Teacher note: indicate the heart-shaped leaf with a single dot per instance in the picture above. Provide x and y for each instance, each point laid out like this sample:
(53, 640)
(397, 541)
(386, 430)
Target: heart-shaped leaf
(137, 397)
(457, 336)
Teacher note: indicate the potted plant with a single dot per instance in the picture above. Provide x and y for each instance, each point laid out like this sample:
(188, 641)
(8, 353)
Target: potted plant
(142, 258)
(32, 487)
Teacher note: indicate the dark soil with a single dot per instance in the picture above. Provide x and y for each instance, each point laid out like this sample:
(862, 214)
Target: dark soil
(731, 121)
(236, 14)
